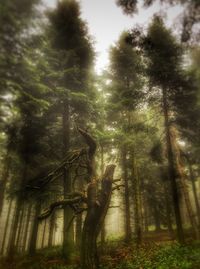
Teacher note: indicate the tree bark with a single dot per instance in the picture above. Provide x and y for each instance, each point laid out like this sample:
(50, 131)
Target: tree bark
(4, 179)
(68, 232)
(183, 185)
(6, 228)
(194, 190)
(26, 228)
(51, 230)
(126, 196)
(136, 199)
(11, 249)
(172, 170)
(168, 209)
(20, 227)
(43, 233)
(103, 230)
(157, 218)
(97, 210)
(34, 232)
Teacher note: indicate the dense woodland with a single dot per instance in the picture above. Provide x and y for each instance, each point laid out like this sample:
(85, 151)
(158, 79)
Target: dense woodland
(98, 171)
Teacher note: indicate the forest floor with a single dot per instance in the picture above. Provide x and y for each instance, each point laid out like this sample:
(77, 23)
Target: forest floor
(159, 251)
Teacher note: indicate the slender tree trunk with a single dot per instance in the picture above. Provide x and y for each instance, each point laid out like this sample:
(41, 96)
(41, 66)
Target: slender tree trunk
(168, 210)
(34, 232)
(26, 228)
(103, 230)
(157, 218)
(4, 178)
(79, 222)
(20, 227)
(6, 227)
(194, 190)
(136, 199)
(126, 196)
(172, 170)
(51, 230)
(11, 249)
(183, 185)
(68, 232)
(44, 232)
(146, 222)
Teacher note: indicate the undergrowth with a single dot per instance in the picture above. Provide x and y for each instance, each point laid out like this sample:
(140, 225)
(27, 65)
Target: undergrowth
(151, 256)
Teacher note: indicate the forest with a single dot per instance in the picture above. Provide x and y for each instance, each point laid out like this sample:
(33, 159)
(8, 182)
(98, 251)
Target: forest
(99, 170)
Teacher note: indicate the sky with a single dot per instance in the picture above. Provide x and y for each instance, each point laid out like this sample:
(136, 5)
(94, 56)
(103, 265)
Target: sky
(106, 22)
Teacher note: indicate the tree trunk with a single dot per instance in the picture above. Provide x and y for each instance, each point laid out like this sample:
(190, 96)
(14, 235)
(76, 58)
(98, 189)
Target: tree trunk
(11, 248)
(43, 233)
(79, 222)
(172, 170)
(96, 213)
(26, 228)
(34, 232)
(194, 190)
(168, 209)
(51, 230)
(183, 185)
(4, 179)
(6, 228)
(136, 199)
(103, 230)
(126, 196)
(146, 217)
(20, 227)
(68, 232)
(157, 218)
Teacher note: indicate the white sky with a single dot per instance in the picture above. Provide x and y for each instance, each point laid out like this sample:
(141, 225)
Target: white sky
(106, 22)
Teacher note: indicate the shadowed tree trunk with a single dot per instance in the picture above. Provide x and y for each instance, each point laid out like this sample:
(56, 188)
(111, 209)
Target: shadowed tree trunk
(157, 217)
(97, 210)
(126, 196)
(192, 179)
(136, 199)
(20, 227)
(68, 232)
(172, 169)
(27, 227)
(97, 202)
(51, 229)
(103, 230)
(43, 233)
(6, 228)
(79, 222)
(168, 209)
(183, 185)
(19, 204)
(4, 178)
(34, 232)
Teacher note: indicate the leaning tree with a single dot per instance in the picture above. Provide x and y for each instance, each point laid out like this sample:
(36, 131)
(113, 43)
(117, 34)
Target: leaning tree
(95, 200)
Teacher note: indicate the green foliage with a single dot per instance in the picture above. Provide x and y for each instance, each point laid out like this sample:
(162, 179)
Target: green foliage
(163, 257)
(164, 54)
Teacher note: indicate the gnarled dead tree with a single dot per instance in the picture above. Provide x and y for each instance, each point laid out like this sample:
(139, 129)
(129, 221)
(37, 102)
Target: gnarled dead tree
(95, 202)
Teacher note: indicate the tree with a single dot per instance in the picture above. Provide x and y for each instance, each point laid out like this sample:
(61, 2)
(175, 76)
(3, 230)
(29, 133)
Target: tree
(164, 54)
(97, 204)
(127, 85)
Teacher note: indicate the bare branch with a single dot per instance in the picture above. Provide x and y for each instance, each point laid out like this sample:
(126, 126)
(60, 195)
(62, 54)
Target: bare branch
(76, 198)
